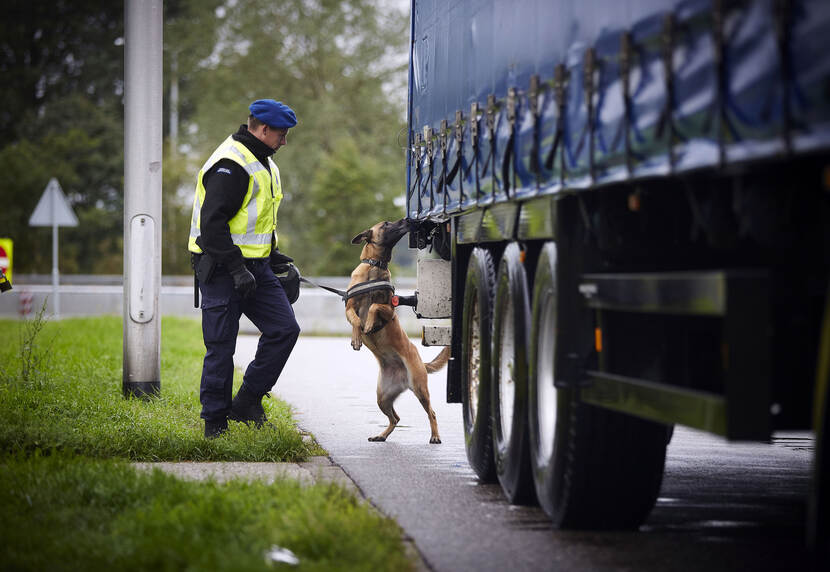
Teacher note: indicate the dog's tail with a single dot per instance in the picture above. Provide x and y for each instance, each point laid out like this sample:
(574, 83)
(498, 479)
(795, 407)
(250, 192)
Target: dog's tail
(440, 361)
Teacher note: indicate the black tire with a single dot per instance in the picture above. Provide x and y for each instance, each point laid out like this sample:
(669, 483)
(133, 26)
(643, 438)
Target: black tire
(511, 325)
(476, 365)
(818, 501)
(592, 468)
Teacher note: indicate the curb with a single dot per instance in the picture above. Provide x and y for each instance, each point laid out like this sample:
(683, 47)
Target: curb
(316, 470)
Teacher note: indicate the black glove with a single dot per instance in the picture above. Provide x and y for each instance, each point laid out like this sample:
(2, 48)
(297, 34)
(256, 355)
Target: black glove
(243, 281)
(279, 262)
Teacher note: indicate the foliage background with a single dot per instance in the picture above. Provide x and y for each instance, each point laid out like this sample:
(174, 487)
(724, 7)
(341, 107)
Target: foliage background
(339, 64)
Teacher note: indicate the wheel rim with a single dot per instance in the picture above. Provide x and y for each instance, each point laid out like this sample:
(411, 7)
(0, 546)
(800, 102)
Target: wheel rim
(545, 390)
(507, 385)
(475, 362)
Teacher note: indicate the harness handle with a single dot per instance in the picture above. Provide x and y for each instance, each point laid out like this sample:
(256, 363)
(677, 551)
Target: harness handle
(404, 301)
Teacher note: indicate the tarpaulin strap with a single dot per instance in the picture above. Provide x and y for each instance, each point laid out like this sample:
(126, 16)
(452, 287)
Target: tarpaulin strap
(625, 76)
(533, 101)
(469, 168)
(428, 181)
(491, 131)
(666, 120)
(453, 170)
(442, 139)
(590, 88)
(505, 164)
(509, 153)
(560, 82)
(446, 181)
(448, 177)
(459, 152)
(416, 184)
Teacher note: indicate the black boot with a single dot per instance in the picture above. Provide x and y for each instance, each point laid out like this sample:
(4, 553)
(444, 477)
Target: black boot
(214, 429)
(247, 406)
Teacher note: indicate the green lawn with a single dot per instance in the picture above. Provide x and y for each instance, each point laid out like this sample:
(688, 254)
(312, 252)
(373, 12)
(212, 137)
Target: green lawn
(68, 396)
(70, 500)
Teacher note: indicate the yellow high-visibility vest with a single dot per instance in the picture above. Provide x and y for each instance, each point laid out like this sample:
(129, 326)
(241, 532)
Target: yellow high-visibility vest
(256, 222)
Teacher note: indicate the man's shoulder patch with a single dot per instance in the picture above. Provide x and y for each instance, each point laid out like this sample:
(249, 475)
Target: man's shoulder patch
(223, 170)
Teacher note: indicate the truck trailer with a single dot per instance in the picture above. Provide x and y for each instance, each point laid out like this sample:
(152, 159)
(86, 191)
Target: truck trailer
(623, 210)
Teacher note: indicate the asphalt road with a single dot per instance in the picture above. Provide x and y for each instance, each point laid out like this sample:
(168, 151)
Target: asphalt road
(722, 506)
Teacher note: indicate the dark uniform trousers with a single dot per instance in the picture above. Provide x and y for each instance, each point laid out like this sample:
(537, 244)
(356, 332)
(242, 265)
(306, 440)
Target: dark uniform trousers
(268, 308)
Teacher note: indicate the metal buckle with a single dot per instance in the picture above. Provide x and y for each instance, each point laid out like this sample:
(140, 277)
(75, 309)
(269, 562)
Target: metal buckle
(533, 95)
(428, 140)
(588, 75)
(511, 106)
(560, 82)
(491, 113)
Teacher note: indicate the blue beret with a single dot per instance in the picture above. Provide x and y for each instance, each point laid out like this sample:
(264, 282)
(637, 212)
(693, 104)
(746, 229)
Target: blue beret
(273, 113)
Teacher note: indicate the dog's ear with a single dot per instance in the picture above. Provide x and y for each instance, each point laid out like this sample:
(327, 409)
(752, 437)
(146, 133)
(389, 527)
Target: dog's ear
(365, 235)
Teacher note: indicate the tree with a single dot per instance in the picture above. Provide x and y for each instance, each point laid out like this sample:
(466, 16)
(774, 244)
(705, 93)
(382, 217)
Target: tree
(51, 50)
(61, 115)
(332, 62)
(351, 192)
(79, 144)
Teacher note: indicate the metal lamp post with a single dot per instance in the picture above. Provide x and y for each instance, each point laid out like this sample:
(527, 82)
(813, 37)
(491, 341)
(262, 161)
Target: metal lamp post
(142, 196)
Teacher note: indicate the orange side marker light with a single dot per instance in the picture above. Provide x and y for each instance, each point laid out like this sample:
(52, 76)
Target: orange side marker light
(598, 339)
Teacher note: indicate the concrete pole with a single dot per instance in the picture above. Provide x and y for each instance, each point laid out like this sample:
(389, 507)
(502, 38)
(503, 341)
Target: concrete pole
(142, 196)
(174, 103)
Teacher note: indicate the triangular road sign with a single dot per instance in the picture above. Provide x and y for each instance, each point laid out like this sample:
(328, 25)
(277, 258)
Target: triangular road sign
(53, 208)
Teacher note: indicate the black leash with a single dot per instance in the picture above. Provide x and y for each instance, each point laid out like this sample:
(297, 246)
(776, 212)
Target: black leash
(361, 288)
(340, 293)
(364, 288)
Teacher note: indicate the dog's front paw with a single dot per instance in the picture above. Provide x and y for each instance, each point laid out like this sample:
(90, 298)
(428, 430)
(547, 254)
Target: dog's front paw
(377, 438)
(357, 344)
(434, 440)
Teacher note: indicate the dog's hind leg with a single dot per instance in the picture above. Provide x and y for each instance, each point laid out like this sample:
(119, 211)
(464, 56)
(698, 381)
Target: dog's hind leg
(385, 404)
(390, 386)
(421, 391)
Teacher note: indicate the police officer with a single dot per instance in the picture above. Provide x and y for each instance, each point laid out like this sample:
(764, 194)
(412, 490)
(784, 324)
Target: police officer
(233, 241)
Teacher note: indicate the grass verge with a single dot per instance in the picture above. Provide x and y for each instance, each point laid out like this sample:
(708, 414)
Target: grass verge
(62, 390)
(63, 512)
(70, 500)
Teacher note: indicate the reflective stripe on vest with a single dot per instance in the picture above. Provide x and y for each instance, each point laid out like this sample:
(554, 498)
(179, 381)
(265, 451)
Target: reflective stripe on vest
(252, 227)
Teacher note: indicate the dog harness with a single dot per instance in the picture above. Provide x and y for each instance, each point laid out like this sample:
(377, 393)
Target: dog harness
(369, 286)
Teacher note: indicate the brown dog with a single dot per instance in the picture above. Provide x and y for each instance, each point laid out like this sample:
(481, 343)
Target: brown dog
(375, 324)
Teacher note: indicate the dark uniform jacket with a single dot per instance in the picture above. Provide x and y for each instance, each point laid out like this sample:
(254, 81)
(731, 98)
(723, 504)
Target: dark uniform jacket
(226, 184)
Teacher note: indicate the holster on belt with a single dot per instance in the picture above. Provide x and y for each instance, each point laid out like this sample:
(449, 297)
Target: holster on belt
(203, 268)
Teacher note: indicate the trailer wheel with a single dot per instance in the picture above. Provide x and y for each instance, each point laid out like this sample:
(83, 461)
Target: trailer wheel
(475, 363)
(592, 468)
(511, 322)
(818, 513)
